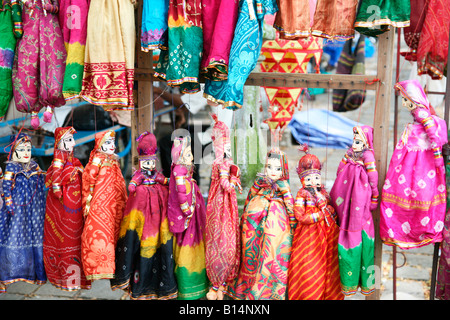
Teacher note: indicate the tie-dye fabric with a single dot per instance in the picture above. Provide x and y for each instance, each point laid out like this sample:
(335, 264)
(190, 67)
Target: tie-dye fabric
(187, 219)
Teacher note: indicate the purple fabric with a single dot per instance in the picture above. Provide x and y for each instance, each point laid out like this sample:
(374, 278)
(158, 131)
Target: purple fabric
(38, 77)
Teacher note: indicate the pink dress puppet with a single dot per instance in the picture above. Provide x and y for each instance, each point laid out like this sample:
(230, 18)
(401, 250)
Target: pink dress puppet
(413, 199)
(187, 219)
(222, 216)
(144, 250)
(355, 195)
(39, 65)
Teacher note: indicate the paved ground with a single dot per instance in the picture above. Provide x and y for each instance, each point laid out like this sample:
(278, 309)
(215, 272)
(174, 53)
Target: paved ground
(413, 278)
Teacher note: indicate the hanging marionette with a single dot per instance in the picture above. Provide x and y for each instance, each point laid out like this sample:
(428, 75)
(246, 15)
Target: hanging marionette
(222, 216)
(314, 266)
(355, 195)
(64, 216)
(22, 216)
(413, 199)
(187, 219)
(266, 234)
(144, 251)
(38, 77)
(11, 30)
(104, 199)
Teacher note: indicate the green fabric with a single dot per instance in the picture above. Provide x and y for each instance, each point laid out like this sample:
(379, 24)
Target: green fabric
(356, 266)
(191, 285)
(180, 64)
(7, 47)
(381, 14)
(73, 80)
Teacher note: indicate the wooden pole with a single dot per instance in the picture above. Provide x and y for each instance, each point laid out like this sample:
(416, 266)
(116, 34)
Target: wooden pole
(385, 67)
(142, 116)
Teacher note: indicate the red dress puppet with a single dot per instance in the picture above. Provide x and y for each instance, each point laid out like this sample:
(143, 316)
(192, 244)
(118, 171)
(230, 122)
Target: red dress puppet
(64, 216)
(222, 216)
(104, 200)
(314, 265)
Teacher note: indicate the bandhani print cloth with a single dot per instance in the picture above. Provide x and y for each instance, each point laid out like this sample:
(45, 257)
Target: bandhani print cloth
(244, 54)
(64, 220)
(179, 61)
(188, 228)
(103, 175)
(108, 76)
(154, 24)
(73, 22)
(413, 202)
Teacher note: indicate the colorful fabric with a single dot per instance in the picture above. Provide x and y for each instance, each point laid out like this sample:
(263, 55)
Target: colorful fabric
(102, 179)
(144, 251)
(314, 267)
(432, 51)
(187, 220)
(244, 54)
(413, 200)
(322, 18)
(73, 22)
(222, 214)
(179, 60)
(219, 22)
(412, 33)
(154, 24)
(108, 76)
(377, 16)
(22, 224)
(64, 220)
(443, 272)
(266, 239)
(38, 78)
(10, 31)
(355, 187)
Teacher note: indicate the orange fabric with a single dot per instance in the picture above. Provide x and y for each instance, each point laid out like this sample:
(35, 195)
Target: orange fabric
(101, 229)
(314, 265)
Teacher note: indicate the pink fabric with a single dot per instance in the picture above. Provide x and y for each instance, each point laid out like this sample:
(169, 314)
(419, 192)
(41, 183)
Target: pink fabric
(220, 18)
(412, 90)
(414, 193)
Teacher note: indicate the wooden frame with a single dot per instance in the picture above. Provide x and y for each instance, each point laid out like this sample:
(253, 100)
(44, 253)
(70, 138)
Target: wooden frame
(142, 116)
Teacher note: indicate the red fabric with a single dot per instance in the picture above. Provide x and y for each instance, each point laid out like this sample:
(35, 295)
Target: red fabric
(432, 51)
(102, 223)
(222, 228)
(64, 224)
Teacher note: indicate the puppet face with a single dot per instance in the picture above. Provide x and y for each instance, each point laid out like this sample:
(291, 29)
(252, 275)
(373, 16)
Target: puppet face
(273, 169)
(187, 156)
(147, 165)
(358, 143)
(312, 180)
(22, 153)
(109, 146)
(67, 143)
(408, 104)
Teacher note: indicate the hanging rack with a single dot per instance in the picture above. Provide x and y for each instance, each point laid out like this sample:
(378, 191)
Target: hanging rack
(382, 83)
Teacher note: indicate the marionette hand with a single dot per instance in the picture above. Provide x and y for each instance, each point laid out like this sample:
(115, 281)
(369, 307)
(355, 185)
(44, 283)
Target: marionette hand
(132, 188)
(57, 191)
(321, 200)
